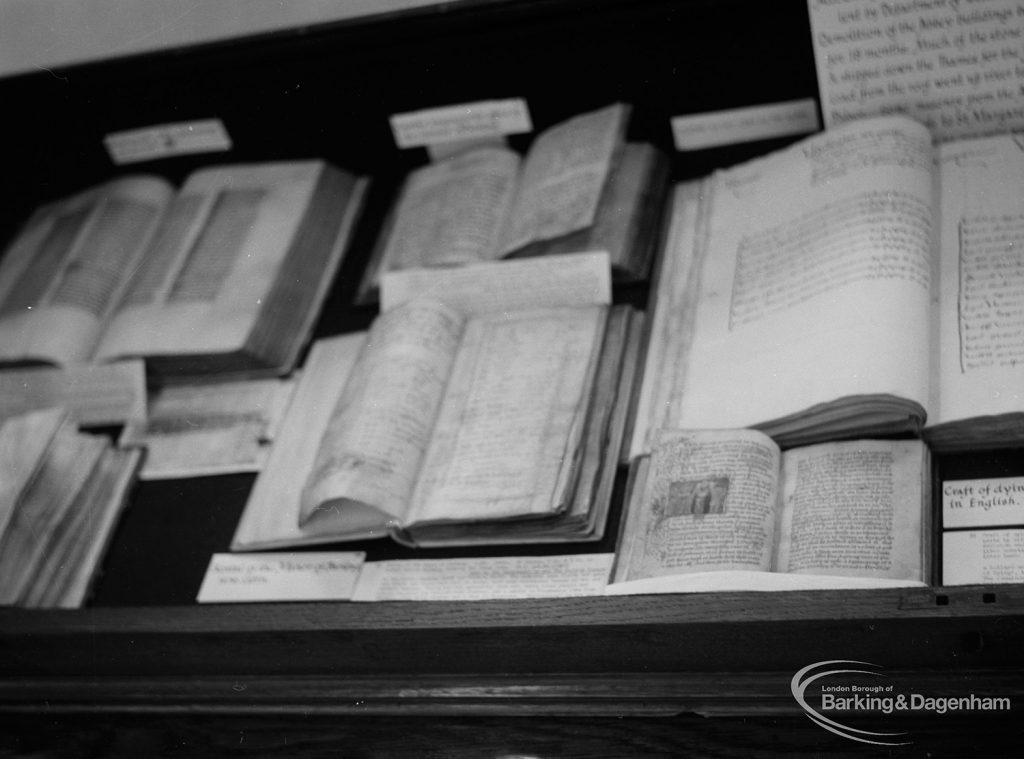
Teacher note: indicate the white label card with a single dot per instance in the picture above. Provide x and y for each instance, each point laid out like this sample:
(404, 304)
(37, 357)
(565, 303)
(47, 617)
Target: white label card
(296, 576)
(488, 578)
(708, 130)
(459, 123)
(982, 556)
(136, 145)
(958, 67)
(983, 503)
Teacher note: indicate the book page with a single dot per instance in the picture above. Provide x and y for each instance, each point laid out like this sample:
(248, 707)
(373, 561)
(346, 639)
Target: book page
(569, 279)
(816, 278)
(24, 443)
(563, 176)
(981, 303)
(271, 515)
(854, 509)
(451, 212)
(213, 261)
(61, 277)
(205, 429)
(507, 435)
(378, 432)
(705, 502)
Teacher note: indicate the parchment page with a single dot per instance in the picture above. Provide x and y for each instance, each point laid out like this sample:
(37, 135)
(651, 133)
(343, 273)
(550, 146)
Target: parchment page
(707, 503)
(213, 261)
(204, 429)
(24, 442)
(61, 277)
(563, 176)
(570, 279)
(378, 432)
(956, 66)
(854, 509)
(508, 431)
(486, 578)
(452, 212)
(981, 303)
(271, 515)
(816, 278)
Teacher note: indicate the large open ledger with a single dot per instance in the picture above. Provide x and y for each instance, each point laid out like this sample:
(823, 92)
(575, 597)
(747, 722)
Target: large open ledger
(225, 275)
(858, 283)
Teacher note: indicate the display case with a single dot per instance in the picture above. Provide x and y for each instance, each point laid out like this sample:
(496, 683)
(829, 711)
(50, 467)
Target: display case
(450, 672)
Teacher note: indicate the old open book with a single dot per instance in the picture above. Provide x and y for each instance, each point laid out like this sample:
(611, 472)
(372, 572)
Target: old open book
(724, 509)
(579, 187)
(227, 274)
(475, 413)
(60, 494)
(857, 283)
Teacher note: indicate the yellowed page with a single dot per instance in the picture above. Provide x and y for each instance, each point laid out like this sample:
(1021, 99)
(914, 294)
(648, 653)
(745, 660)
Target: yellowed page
(371, 450)
(451, 212)
(213, 261)
(569, 279)
(62, 275)
(512, 416)
(816, 278)
(981, 304)
(271, 515)
(854, 509)
(707, 502)
(563, 177)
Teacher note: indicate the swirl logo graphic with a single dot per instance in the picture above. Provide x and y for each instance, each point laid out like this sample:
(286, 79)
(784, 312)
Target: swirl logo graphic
(817, 671)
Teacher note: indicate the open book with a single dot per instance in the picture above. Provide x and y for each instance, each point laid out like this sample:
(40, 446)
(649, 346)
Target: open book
(855, 284)
(60, 497)
(227, 274)
(578, 188)
(724, 509)
(457, 420)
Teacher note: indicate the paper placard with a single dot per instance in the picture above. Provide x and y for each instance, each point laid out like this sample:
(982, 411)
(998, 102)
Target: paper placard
(707, 130)
(297, 576)
(566, 279)
(93, 394)
(459, 123)
(982, 556)
(135, 145)
(983, 503)
(956, 67)
(489, 578)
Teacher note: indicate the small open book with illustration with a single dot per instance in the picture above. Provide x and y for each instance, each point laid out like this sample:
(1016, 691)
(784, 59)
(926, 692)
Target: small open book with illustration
(859, 283)
(726, 510)
(579, 187)
(225, 275)
(474, 411)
